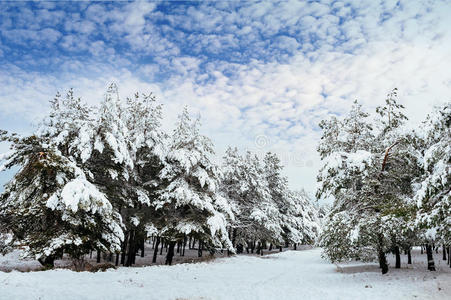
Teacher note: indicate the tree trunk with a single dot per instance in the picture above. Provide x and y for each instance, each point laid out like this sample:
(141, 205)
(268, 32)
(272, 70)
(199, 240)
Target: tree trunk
(184, 245)
(409, 257)
(131, 249)
(398, 258)
(422, 249)
(98, 256)
(431, 265)
(199, 249)
(270, 247)
(124, 248)
(444, 252)
(170, 254)
(280, 248)
(294, 246)
(117, 259)
(382, 259)
(143, 244)
(383, 262)
(155, 250)
(162, 246)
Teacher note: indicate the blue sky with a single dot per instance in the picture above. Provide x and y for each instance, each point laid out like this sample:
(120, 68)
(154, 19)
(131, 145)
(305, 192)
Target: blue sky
(261, 74)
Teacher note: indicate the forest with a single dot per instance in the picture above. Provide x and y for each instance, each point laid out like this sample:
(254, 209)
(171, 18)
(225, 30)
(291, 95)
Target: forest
(109, 179)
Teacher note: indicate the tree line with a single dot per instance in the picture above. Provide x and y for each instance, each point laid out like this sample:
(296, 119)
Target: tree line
(391, 185)
(108, 178)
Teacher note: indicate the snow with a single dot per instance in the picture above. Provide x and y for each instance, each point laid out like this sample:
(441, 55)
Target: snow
(81, 193)
(287, 275)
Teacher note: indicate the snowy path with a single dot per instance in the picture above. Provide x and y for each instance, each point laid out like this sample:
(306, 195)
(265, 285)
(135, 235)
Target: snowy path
(284, 276)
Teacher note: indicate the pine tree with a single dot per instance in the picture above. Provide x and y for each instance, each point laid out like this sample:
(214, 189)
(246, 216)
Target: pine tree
(434, 193)
(190, 203)
(246, 186)
(50, 206)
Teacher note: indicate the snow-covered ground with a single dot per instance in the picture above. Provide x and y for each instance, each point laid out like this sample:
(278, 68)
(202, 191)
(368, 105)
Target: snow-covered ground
(286, 275)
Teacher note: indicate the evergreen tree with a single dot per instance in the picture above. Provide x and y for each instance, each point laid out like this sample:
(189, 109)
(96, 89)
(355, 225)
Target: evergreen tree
(246, 185)
(50, 206)
(434, 193)
(190, 203)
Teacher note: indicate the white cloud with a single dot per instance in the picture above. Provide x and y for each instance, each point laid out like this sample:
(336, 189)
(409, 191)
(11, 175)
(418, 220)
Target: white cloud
(332, 61)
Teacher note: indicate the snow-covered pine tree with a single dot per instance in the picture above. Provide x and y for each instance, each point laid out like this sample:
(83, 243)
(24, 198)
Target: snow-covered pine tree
(302, 218)
(143, 116)
(279, 193)
(370, 178)
(434, 193)
(348, 166)
(190, 203)
(392, 187)
(111, 165)
(298, 216)
(50, 207)
(246, 187)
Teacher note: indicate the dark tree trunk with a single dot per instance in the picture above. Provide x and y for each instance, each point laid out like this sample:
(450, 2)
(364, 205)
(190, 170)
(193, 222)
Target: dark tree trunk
(270, 247)
(258, 248)
(234, 237)
(184, 245)
(155, 250)
(252, 247)
(294, 246)
(431, 265)
(90, 254)
(178, 247)
(280, 248)
(124, 248)
(398, 258)
(382, 259)
(444, 252)
(98, 256)
(422, 249)
(117, 259)
(199, 249)
(383, 262)
(131, 249)
(162, 246)
(409, 257)
(170, 254)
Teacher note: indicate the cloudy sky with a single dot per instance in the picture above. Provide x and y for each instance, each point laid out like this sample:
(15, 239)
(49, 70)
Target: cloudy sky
(261, 74)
